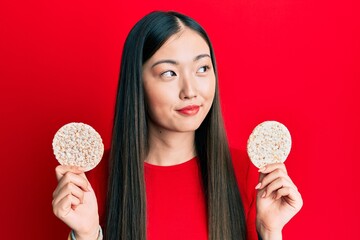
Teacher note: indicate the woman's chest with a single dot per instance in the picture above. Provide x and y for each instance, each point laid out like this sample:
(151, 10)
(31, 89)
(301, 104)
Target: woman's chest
(175, 206)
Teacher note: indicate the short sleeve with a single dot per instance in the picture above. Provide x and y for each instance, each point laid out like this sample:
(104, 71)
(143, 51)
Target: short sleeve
(98, 179)
(247, 178)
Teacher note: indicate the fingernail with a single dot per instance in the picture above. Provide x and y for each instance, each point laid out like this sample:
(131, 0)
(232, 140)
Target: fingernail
(264, 194)
(258, 186)
(262, 169)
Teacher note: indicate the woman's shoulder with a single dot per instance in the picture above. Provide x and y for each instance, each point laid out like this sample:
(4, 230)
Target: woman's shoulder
(246, 174)
(247, 178)
(242, 164)
(98, 178)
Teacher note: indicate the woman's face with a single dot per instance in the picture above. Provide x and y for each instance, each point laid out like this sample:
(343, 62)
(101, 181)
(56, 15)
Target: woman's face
(179, 83)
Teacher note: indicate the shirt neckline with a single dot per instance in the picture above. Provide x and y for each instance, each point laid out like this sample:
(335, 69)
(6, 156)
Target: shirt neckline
(179, 166)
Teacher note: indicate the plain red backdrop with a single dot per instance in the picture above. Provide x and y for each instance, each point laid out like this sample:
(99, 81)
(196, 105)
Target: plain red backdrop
(288, 60)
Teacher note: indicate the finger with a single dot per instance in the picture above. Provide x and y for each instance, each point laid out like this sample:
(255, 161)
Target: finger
(61, 170)
(268, 169)
(259, 185)
(276, 185)
(57, 201)
(69, 177)
(64, 206)
(69, 189)
(291, 196)
(271, 167)
(266, 179)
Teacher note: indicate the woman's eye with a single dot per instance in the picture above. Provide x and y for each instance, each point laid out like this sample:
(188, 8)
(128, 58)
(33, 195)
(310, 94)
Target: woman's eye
(168, 74)
(203, 69)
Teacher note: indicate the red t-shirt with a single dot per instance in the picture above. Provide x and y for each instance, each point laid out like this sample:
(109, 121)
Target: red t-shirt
(175, 202)
(175, 199)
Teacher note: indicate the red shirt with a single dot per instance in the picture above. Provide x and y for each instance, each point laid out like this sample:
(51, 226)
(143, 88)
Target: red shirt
(175, 202)
(175, 198)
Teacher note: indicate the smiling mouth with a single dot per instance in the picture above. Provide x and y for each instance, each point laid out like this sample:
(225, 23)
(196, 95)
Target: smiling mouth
(189, 110)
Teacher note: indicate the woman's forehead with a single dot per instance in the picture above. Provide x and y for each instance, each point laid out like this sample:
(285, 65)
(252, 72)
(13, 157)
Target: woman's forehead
(184, 44)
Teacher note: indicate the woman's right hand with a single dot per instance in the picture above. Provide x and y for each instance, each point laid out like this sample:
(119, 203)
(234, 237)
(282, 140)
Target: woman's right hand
(74, 202)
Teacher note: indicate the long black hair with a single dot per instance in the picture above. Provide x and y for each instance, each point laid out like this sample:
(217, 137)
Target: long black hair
(126, 200)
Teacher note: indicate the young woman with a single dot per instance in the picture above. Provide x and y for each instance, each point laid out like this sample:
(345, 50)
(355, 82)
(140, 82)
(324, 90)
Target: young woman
(172, 175)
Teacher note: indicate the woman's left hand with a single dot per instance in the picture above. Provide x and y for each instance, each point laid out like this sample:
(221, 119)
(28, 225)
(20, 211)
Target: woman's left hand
(278, 200)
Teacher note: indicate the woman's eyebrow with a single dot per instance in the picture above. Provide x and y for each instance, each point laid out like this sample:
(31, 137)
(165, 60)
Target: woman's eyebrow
(165, 61)
(173, 62)
(201, 56)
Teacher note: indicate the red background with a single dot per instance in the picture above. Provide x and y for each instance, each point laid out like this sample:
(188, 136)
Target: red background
(288, 60)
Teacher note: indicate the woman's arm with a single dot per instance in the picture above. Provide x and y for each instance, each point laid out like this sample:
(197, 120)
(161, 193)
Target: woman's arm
(277, 201)
(74, 202)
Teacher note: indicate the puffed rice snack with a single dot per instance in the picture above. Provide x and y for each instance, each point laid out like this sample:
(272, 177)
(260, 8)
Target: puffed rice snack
(78, 144)
(269, 142)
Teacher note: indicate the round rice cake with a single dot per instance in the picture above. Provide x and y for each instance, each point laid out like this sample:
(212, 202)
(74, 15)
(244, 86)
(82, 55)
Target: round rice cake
(78, 144)
(269, 142)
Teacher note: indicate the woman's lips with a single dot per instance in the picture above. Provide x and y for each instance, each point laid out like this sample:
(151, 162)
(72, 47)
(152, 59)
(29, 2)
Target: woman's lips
(189, 110)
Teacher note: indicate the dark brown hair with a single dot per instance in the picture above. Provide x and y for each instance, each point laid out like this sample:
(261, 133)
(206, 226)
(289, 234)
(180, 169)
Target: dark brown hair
(126, 200)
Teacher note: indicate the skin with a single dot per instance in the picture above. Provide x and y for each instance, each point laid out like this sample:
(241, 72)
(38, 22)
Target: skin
(179, 74)
(278, 200)
(74, 202)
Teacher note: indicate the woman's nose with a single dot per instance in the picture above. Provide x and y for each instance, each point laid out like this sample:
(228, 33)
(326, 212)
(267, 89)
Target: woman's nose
(188, 87)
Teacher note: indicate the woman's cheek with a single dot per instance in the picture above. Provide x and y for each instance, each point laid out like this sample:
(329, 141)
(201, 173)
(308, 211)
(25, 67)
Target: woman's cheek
(208, 88)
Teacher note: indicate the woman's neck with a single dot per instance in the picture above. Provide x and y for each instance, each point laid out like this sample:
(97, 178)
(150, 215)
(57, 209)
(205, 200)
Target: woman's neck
(168, 148)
